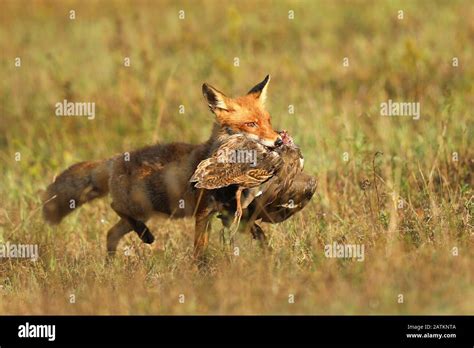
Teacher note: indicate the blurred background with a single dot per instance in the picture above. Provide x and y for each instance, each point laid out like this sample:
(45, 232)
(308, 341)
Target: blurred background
(366, 164)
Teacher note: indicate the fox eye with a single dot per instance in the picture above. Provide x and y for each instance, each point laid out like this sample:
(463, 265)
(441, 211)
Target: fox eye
(251, 124)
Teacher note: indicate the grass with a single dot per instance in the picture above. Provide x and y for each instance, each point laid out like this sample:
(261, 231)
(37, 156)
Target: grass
(415, 207)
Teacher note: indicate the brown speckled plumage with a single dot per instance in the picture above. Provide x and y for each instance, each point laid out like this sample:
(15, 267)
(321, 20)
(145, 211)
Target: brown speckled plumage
(218, 171)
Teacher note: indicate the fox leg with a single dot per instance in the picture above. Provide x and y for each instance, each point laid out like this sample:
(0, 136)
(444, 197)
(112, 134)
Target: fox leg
(202, 226)
(142, 230)
(257, 233)
(201, 233)
(116, 233)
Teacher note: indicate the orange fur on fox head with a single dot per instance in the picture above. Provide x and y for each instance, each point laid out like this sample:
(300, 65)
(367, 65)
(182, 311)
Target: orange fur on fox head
(246, 114)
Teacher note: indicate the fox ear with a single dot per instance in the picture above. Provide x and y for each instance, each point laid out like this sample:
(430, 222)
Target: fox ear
(260, 90)
(215, 99)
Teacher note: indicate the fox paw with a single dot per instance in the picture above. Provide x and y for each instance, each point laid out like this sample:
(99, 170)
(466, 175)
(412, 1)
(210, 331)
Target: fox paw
(147, 237)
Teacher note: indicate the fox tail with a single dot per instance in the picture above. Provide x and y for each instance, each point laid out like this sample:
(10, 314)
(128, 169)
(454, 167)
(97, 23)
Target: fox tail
(80, 183)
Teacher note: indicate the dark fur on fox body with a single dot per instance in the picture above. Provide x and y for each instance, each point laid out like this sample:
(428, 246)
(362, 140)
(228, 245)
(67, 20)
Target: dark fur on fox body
(144, 182)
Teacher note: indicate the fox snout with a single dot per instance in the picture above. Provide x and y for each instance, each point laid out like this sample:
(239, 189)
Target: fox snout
(274, 143)
(278, 142)
(274, 140)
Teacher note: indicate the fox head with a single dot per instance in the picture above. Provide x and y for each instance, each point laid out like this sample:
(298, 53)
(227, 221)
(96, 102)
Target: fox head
(246, 115)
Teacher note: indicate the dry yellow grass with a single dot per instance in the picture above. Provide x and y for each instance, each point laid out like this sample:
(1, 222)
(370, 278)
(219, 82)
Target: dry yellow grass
(408, 250)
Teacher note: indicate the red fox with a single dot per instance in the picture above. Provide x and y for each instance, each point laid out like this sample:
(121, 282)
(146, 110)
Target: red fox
(155, 179)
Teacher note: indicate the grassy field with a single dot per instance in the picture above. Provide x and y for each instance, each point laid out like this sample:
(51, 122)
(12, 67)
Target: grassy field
(400, 187)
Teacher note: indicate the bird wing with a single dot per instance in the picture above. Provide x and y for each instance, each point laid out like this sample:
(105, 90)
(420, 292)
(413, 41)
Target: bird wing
(237, 161)
(289, 202)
